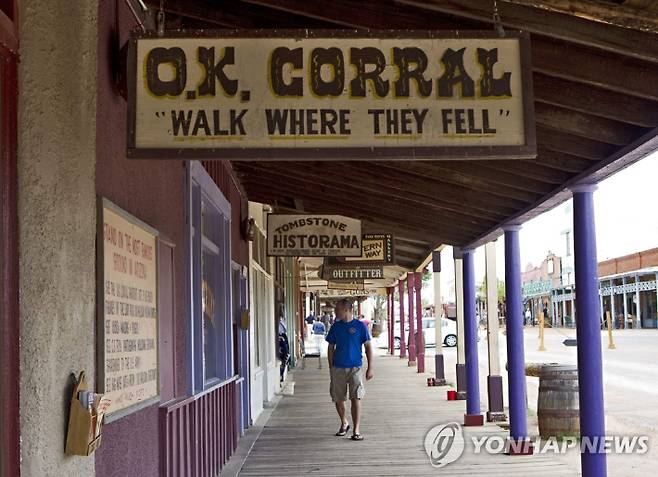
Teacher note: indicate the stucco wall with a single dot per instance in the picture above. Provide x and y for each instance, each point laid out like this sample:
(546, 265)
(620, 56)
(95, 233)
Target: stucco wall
(56, 160)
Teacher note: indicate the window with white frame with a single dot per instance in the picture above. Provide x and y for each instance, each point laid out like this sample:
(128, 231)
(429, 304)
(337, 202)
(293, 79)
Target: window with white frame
(211, 324)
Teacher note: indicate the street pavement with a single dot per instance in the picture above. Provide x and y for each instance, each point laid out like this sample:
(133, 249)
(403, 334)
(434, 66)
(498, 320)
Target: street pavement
(630, 374)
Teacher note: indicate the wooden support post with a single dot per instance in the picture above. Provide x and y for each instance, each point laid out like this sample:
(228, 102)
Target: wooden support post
(494, 379)
(403, 343)
(420, 341)
(611, 344)
(412, 326)
(439, 368)
(459, 298)
(541, 332)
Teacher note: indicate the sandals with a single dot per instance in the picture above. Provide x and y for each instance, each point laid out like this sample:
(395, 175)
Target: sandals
(343, 431)
(356, 437)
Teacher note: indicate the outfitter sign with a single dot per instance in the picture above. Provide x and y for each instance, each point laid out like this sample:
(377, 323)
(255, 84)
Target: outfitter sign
(351, 273)
(330, 95)
(298, 235)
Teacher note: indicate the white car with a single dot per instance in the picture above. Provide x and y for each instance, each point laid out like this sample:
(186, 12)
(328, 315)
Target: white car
(448, 332)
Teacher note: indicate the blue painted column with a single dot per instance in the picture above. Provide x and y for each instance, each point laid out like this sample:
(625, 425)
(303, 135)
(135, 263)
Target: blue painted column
(588, 333)
(473, 416)
(519, 443)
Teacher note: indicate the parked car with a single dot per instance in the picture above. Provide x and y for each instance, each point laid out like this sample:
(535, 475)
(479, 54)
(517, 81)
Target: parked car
(448, 332)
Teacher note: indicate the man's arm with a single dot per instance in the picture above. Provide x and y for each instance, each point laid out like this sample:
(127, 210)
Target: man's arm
(370, 371)
(330, 354)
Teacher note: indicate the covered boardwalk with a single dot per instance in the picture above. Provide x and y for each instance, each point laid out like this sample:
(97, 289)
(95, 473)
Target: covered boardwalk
(298, 437)
(594, 75)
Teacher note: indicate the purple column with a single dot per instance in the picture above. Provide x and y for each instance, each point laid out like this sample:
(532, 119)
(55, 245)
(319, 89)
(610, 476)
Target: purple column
(473, 416)
(420, 343)
(519, 443)
(412, 327)
(391, 321)
(403, 344)
(588, 333)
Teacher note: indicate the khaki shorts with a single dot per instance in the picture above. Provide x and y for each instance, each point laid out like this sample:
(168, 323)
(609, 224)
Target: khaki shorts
(344, 378)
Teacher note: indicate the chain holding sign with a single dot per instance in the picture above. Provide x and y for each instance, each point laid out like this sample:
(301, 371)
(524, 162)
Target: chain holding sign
(330, 95)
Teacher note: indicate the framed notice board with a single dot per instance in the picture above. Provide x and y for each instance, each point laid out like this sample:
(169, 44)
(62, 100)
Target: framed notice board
(128, 367)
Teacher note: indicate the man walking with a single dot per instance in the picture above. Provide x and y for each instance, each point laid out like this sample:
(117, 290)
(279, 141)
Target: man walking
(345, 338)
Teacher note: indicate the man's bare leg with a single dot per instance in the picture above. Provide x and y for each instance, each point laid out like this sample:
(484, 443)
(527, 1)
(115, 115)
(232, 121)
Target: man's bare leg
(356, 414)
(340, 407)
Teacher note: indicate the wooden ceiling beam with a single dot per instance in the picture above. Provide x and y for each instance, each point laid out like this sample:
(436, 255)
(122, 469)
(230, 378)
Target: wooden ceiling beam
(438, 171)
(416, 235)
(505, 178)
(561, 161)
(615, 71)
(594, 100)
(573, 145)
(622, 16)
(371, 175)
(362, 208)
(560, 25)
(336, 182)
(526, 169)
(349, 206)
(585, 125)
(361, 14)
(612, 72)
(236, 14)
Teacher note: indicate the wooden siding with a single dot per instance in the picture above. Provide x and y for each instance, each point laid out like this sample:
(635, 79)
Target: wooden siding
(200, 433)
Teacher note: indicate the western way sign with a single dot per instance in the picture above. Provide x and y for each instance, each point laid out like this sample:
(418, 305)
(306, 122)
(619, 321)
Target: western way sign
(257, 94)
(297, 235)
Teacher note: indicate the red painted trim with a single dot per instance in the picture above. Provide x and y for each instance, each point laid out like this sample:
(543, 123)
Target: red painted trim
(9, 313)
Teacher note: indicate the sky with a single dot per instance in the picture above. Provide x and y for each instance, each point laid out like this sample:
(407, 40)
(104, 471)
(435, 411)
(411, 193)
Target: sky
(626, 222)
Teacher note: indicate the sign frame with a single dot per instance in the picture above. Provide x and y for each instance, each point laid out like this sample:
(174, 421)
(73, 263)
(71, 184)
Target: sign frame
(269, 236)
(101, 204)
(368, 269)
(390, 153)
(388, 251)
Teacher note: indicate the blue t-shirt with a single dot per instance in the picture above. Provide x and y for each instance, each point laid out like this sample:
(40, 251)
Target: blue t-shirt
(318, 328)
(348, 338)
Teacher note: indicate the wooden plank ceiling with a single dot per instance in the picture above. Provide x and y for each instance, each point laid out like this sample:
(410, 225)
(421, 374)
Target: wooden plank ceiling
(595, 75)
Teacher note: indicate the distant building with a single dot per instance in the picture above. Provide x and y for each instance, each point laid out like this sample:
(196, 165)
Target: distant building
(539, 284)
(627, 289)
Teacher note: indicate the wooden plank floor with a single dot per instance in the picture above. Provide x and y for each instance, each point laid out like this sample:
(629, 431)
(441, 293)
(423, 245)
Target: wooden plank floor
(399, 409)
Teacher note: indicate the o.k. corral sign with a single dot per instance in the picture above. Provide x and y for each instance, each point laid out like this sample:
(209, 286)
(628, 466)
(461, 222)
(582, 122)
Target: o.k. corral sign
(265, 95)
(301, 235)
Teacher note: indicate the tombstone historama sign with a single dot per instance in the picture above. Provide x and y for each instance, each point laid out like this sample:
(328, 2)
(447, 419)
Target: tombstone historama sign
(300, 235)
(330, 95)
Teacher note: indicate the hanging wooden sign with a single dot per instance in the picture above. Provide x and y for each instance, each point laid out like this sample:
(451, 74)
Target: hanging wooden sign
(355, 285)
(300, 235)
(330, 95)
(350, 273)
(346, 293)
(375, 249)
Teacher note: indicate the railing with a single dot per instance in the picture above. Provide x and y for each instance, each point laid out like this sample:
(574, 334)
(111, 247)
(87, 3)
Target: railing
(199, 433)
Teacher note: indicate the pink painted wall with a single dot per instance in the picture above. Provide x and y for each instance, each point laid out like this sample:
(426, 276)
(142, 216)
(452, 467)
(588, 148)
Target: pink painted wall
(153, 191)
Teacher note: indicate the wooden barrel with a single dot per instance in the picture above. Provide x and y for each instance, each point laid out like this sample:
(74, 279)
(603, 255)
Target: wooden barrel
(376, 329)
(557, 403)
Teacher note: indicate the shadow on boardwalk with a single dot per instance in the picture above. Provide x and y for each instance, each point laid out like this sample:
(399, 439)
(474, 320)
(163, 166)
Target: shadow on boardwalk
(399, 409)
